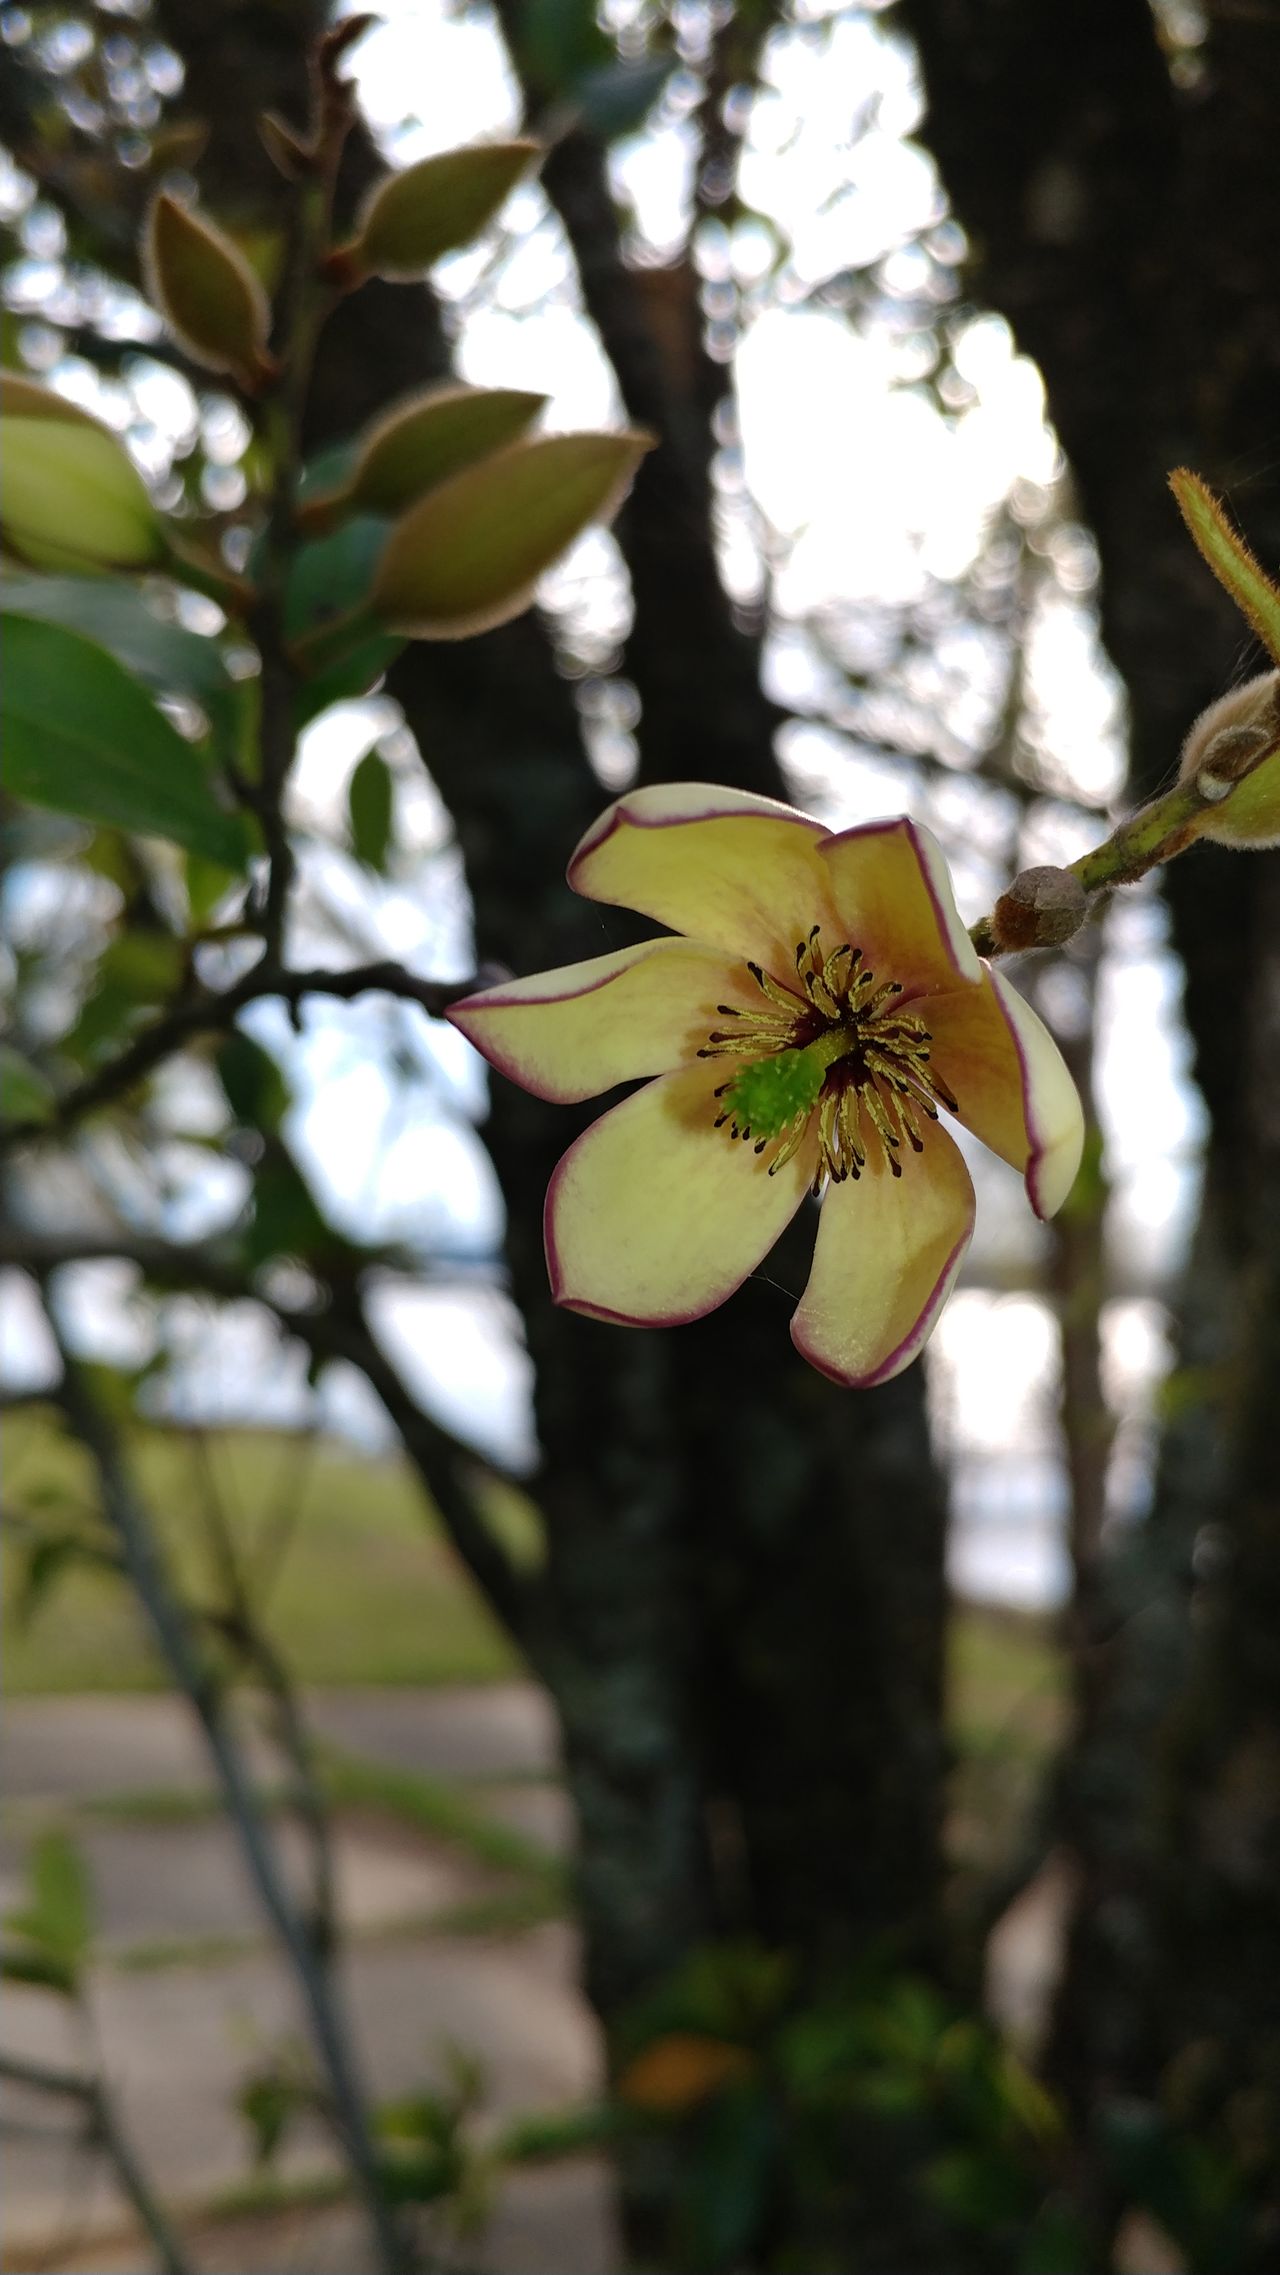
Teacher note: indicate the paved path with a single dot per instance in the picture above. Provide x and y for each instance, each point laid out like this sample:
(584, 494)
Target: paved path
(179, 2036)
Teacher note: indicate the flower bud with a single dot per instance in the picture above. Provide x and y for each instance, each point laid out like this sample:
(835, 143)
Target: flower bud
(72, 500)
(1040, 909)
(212, 301)
(1232, 755)
(412, 219)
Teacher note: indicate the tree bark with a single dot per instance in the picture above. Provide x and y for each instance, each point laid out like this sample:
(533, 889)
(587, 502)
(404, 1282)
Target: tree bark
(1128, 229)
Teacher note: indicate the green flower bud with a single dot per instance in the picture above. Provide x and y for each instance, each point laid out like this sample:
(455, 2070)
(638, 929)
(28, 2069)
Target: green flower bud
(72, 499)
(1232, 755)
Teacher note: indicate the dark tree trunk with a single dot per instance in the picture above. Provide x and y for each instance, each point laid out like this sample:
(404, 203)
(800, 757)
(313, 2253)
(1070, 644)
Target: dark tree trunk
(741, 1616)
(1128, 230)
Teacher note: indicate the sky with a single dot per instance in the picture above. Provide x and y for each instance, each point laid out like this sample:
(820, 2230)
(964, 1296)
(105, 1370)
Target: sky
(856, 481)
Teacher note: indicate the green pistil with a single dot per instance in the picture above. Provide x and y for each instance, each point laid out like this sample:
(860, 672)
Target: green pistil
(768, 1095)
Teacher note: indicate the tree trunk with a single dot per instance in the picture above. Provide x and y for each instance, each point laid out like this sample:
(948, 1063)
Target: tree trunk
(1128, 230)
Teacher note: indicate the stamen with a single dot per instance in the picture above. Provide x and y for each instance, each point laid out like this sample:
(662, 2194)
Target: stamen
(839, 1048)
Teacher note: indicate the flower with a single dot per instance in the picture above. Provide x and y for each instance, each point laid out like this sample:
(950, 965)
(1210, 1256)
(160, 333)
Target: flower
(815, 1010)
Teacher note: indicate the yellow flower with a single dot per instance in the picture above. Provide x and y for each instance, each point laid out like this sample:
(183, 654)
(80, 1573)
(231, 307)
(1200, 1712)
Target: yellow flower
(818, 1009)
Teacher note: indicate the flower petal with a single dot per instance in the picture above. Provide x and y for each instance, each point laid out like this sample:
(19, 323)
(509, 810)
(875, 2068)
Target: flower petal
(888, 1252)
(572, 1033)
(891, 886)
(739, 872)
(655, 1216)
(1011, 1085)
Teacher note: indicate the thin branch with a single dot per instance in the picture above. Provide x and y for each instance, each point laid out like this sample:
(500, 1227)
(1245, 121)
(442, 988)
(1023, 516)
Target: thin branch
(338, 1328)
(104, 2131)
(343, 1332)
(194, 1678)
(213, 1010)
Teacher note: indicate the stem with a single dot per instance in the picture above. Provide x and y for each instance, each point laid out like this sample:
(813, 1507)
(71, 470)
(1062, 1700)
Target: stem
(1156, 833)
(303, 304)
(172, 1627)
(104, 2129)
(213, 1010)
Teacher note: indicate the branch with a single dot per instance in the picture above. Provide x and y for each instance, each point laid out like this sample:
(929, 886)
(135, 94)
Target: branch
(338, 1329)
(171, 1623)
(103, 2129)
(214, 1009)
(343, 1332)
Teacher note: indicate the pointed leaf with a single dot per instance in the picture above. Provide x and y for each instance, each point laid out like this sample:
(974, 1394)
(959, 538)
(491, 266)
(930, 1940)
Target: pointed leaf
(1255, 593)
(164, 656)
(82, 736)
(211, 299)
(73, 498)
(469, 554)
(25, 1096)
(371, 806)
(412, 219)
(432, 435)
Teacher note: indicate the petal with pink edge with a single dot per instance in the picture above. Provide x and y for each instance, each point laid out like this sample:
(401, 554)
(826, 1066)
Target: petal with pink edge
(738, 872)
(572, 1033)
(655, 1216)
(888, 1252)
(1011, 1085)
(890, 884)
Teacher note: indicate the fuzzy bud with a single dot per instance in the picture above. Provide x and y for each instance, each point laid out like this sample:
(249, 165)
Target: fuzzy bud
(212, 301)
(73, 501)
(1040, 909)
(1232, 755)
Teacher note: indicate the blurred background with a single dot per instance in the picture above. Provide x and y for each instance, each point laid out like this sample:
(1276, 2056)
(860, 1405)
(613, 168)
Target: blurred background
(743, 1825)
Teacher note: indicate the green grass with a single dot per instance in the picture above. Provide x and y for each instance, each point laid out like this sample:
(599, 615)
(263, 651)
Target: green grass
(1007, 1682)
(358, 1584)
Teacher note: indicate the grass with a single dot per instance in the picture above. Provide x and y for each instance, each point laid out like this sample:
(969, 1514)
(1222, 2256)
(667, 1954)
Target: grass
(360, 1586)
(358, 1583)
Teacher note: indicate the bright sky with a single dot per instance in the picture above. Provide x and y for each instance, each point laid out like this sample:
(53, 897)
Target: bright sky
(861, 495)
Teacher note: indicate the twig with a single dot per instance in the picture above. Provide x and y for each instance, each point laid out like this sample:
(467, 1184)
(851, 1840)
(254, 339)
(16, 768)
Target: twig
(104, 2131)
(173, 1630)
(212, 1010)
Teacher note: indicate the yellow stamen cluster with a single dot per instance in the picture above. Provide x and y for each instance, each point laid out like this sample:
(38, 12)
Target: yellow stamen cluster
(840, 1049)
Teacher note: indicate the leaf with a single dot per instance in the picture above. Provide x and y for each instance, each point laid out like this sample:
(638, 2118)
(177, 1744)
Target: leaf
(25, 1095)
(82, 736)
(332, 576)
(255, 1088)
(371, 807)
(422, 440)
(329, 589)
(617, 98)
(211, 299)
(74, 500)
(165, 657)
(411, 219)
(57, 1921)
(1221, 545)
(469, 554)
(678, 2072)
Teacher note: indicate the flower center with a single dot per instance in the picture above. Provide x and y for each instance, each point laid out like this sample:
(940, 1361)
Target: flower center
(841, 1050)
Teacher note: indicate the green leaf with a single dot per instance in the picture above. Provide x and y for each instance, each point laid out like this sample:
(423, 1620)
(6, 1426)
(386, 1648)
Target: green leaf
(469, 554)
(332, 576)
(617, 98)
(1253, 591)
(25, 1096)
(26, 1963)
(256, 1090)
(82, 736)
(371, 806)
(165, 657)
(424, 439)
(411, 219)
(326, 615)
(58, 1919)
